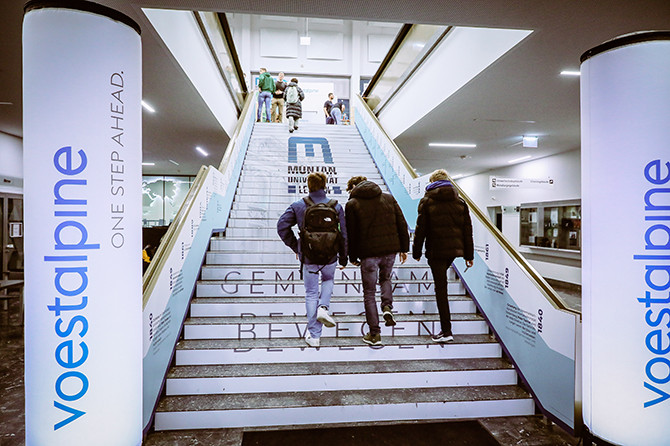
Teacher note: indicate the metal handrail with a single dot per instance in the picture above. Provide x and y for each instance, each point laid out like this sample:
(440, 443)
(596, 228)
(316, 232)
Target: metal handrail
(521, 261)
(406, 163)
(400, 37)
(169, 239)
(431, 45)
(238, 128)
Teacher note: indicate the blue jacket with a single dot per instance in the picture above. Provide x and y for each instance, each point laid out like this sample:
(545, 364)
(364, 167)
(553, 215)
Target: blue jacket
(294, 215)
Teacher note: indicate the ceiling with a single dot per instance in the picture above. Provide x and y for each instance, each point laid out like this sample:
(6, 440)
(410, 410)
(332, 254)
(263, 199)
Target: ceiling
(521, 93)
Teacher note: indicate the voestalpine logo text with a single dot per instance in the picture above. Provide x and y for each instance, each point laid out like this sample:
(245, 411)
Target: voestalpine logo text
(70, 261)
(656, 298)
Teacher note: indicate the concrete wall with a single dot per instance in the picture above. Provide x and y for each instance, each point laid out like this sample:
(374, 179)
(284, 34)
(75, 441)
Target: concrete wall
(11, 164)
(565, 171)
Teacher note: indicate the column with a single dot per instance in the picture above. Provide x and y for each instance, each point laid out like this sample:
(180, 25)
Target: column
(625, 114)
(82, 82)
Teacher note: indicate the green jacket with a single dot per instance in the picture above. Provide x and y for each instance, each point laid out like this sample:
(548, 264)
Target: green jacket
(266, 83)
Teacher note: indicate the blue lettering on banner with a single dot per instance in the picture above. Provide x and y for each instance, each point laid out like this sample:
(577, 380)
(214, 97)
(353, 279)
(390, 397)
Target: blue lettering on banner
(68, 307)
(657, 279)
(309, 148)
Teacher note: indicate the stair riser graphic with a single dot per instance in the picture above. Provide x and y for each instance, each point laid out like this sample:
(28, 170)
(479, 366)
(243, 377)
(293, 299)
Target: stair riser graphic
(237, 273)
(343, 414)
(409, 270)
(249, 272)
(264, 309)
(347, 164)
(261, 196)
(331, 354)
(252, 330)
(275, 244)
(256, 384)
(282, 257)
(278, 208)
(206, 289)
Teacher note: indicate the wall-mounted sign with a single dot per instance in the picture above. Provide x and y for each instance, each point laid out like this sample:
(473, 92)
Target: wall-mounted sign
(15, 229)
(520, 183)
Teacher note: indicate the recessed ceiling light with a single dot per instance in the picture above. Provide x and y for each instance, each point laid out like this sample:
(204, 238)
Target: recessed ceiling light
(530, 141)
(148, 107)
(305, 40)
(148, 164)
(202, 151)
(174, 162)
(570, 73)
(456, 145)
(6, 103)
(457, 176)
(523, 158)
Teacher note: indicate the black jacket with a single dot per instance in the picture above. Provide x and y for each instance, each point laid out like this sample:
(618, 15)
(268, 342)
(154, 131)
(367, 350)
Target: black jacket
(444, 223)
(375, 224)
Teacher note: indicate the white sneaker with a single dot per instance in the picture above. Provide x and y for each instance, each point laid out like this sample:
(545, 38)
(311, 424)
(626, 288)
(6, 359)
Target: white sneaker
(312, 342)
(325, 318)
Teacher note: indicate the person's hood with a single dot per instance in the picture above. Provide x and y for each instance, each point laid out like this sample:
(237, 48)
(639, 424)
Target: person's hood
(366, 190)
(441, 190)
(266, 74)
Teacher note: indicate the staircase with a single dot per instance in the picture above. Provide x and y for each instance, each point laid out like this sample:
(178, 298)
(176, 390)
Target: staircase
(243, 362)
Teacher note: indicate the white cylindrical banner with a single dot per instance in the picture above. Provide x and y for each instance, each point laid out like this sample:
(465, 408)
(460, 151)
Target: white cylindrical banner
(82, 81)
(625, 113)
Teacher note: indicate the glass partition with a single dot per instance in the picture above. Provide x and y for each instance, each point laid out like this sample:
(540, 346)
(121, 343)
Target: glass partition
(161, 198)
(415, 46)
(551, 225)
(219, 38)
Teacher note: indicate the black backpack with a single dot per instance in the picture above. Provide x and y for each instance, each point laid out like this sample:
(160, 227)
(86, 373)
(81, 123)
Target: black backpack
(320, 235)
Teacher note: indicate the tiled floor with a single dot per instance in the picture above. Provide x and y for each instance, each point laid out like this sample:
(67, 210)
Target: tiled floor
(517, 431)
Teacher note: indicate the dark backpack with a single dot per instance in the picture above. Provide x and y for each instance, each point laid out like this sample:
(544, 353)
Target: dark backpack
(320, 235)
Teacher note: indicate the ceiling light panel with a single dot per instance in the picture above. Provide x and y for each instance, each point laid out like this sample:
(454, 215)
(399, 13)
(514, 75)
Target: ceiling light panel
(516, 160)
(148, 107)
(461, 145)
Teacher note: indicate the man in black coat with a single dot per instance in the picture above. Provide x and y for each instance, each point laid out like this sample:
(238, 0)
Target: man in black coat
(377, 230)
(444, 223)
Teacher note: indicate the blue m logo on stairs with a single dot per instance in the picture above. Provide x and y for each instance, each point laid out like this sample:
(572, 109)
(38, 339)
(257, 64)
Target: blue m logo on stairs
(309, 144)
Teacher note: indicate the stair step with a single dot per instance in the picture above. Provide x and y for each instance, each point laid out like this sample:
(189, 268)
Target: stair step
(296, 377)
(265, 273)
(278, 409)
(264, 350)
(347, 325)
(264, 306)
(221, 288)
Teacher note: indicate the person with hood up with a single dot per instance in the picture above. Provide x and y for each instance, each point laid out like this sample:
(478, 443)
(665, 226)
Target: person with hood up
(317, 302)
(266, 86)
(377, 231)
(293, 97)
(444, 224)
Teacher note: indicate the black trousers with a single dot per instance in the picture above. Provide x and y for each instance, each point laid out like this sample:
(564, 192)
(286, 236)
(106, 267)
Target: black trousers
(439, 269)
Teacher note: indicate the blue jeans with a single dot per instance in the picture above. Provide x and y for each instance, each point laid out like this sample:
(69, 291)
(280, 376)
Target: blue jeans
(264, 97)
(373, 268)
(315, 299)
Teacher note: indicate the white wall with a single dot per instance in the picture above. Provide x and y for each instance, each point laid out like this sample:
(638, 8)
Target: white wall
(342, 50)
(11, 164)
(564, 169)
